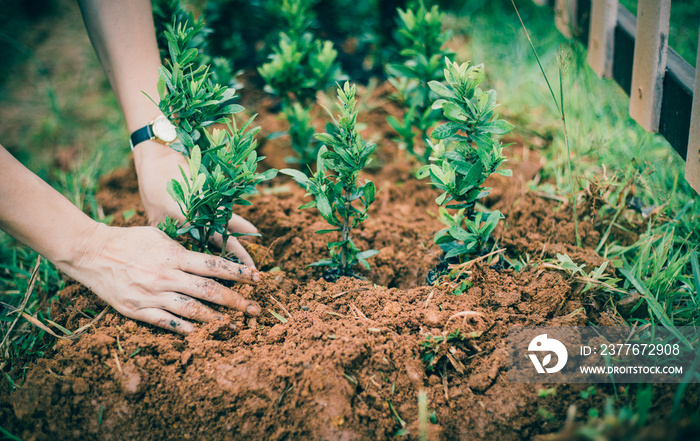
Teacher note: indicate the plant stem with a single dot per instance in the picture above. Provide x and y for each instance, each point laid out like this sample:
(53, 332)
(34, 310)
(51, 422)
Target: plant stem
(568, 158)
(345, 236)
(560, 108)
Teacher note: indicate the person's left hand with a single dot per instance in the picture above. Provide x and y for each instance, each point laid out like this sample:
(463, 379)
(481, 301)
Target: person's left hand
(156, 165)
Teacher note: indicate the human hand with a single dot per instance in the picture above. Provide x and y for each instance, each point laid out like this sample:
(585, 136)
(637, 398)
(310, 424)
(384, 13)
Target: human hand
(156, 165)
(147, 276)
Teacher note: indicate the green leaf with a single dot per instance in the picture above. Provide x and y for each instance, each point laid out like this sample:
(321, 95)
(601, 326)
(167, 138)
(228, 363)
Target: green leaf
(298, 176)
(423, 172)
(324, 262)
(369, 192)
(454, 112)
(198, 183)
(458, 251)
(195, 161)
(367, 254)
(310, 204)
(161, 87)
(497, 127)
(442, 90)
(324, 207)
(268, 174)
(175, 191)
(445, 131)
(329, 230)
(231, 109)
(459, 233)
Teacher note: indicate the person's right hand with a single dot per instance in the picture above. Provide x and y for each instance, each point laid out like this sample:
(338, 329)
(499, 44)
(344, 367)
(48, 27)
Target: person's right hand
(147, 276)
(156, 165)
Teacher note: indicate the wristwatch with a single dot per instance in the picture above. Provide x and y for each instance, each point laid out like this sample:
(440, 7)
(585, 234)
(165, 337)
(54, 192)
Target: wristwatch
(160, 129)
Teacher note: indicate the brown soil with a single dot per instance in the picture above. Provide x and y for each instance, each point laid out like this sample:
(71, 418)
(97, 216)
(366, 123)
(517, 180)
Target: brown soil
(346, 363)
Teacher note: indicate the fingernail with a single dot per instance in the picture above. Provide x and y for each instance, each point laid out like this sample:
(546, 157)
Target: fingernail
(256, 277)
(253, 309)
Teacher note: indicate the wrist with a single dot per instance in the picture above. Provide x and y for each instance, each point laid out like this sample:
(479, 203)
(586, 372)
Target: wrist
(89, 243)
(150, 150)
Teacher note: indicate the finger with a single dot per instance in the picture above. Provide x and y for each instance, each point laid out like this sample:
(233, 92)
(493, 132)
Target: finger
(188, 307)
(234, 246)
(238, 224)
(211, 291)
(215, 266)
(163, 319)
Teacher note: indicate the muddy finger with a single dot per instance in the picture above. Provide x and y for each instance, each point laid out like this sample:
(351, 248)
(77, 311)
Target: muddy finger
(214, 266)
(211, 291)
(188, 307)
(164, 319)
(234, 246)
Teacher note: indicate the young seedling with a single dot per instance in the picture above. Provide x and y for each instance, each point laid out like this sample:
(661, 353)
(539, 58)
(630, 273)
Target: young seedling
(421, 38)
(467, 152)
(340, 199)
(222, 163)
(299, 67)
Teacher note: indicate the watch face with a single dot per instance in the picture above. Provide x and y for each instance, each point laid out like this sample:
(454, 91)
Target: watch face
(164, 130)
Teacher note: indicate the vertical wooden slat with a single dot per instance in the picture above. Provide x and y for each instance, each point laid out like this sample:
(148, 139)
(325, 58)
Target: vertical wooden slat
(565, 13)
(601, 38)
(692, 160)
(649, 62)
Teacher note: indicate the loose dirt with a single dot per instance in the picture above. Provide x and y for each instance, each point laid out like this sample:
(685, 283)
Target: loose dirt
(339, 361)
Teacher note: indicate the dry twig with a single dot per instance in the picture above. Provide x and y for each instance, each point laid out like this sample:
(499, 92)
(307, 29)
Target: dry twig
(20, 310)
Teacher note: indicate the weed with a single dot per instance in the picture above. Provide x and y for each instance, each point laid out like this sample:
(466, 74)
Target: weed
(467, 152)
(589, 392)
(335, 194)
(544, 393)
(563, 60)
(437, 348)
(222, 164)
(421, 40)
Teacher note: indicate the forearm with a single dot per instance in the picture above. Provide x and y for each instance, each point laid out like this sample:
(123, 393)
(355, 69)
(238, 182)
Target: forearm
(38, 216)
(123, 36)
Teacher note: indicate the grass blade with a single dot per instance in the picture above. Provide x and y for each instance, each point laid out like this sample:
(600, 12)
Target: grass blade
(20, 310)
(655, 307)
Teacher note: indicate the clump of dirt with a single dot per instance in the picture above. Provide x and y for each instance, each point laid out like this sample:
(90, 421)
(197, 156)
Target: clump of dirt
(542, 227)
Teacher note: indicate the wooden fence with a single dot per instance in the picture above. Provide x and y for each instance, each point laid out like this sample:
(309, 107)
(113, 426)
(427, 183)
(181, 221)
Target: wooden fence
(634, 51)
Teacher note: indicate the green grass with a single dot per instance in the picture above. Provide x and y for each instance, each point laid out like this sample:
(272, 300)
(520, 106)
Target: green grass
(49, 106)
(607, 148)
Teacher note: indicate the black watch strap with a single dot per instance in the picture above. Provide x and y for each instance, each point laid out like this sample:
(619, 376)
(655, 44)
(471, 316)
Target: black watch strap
(145, 133)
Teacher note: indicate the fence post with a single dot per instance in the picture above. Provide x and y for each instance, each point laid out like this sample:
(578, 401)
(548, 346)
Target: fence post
(692, 159)
(601, 38)
(565, 16)
(650, 49)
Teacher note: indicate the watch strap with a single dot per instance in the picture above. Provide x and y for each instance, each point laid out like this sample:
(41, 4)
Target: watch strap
(145, 133)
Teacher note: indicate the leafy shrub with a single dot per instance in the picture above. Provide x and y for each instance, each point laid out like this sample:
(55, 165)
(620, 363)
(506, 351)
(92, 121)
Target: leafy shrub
(340, 199)
(299, 67)
(468, 151)
(222, 164)
(168, 12)
(420, 38)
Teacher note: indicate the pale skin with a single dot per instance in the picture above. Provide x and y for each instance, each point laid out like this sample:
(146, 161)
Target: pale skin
(140, 271)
